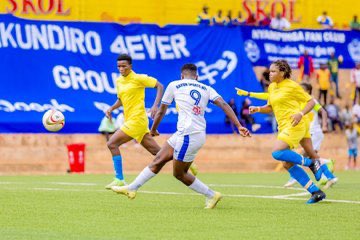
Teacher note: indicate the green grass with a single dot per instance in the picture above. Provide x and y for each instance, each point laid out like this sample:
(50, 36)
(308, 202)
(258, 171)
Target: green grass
(42, 207)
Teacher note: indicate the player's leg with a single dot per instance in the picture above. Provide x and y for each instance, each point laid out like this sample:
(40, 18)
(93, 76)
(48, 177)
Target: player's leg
(162, 157)
(306, 143)
(115, 141)
(291, 160)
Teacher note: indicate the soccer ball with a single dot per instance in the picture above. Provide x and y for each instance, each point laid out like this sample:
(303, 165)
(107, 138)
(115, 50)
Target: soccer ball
(53, 120)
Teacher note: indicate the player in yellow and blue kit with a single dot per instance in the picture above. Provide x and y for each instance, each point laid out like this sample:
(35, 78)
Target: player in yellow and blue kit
(316, 131)
(287, 100)
(130, 88)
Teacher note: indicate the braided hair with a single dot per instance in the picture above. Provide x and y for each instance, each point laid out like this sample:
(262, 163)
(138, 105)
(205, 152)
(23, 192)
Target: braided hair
(283, 67)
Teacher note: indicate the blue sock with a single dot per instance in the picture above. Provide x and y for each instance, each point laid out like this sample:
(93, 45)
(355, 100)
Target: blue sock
(327, 172)
(290, 156)
(118, 167)
(300, 175)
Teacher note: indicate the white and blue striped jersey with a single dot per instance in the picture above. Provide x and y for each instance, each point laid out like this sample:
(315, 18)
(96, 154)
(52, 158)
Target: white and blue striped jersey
(192, 98)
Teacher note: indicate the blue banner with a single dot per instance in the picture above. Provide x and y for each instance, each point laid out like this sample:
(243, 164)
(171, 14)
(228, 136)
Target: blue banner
(264, 45)
(71, 66)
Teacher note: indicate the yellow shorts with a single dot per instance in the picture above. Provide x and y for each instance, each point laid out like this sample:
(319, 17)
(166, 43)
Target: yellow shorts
(293, 135)
(135, 129)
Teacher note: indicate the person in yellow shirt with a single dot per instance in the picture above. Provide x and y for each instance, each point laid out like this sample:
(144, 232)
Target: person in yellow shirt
(218, 19)
(131, 95)
(290, 103)
(323, 77)
(203, 18)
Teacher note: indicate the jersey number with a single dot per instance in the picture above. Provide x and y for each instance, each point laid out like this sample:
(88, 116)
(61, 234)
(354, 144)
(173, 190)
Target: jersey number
(197, 97)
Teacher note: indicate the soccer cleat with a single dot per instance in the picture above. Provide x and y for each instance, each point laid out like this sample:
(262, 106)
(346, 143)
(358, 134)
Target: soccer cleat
(331, 164)
(124, 190)
(194, 170)
(315, 167)
(211, 202)
(330, 183)
(290, 183)
(323, 180)
(116, 182)
(316, 197)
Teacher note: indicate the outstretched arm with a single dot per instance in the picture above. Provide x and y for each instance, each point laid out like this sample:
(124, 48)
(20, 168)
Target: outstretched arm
(116, 105)
(159, 92)
(157, 119)
(258, 95)
(230, 113)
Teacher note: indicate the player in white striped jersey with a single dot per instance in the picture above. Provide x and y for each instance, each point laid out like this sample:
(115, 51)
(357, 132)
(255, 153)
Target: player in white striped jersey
(192, 98)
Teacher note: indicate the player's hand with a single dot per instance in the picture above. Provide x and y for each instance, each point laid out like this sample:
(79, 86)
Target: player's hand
(253, 109)
(154, 133)
(295, 119)
(108, 114)
(244, 132)
(153, 111)
(241, 92)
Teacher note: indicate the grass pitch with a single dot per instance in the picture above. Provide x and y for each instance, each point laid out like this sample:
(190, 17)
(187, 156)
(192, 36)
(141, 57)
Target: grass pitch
(255, 206)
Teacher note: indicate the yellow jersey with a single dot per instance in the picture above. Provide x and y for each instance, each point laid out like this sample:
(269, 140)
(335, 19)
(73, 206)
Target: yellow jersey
(286, 99)
(131, 92)
(324, 79)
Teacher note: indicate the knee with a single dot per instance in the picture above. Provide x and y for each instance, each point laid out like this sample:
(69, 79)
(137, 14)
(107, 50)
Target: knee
(277, 154)
(178, 176)
(111, 145)
(287, 165)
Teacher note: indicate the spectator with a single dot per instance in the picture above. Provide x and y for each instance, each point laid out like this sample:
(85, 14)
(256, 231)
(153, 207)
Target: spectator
(279, 22)
(229, 20)
(346, 115)
(323, 78)
(265, 80)
(325, 21)
(333, 114)
(351, 136)
(239, 20)
(265, 22)
(204, 18)
(106, 127)
(251, 20)
(234, 108)
(245, 115)
(306, 67)
(333, 64)
(218, 19)
(354, 24)
(355, 80)
(356, 111)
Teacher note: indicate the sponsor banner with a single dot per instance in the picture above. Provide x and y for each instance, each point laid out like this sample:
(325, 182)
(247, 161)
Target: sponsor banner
(264, 45)
(71, 66)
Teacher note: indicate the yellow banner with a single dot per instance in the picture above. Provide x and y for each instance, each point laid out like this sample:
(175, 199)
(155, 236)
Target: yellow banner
(301, 13)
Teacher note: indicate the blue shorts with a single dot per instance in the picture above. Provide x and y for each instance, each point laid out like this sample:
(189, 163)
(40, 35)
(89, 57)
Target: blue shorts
(352, 152)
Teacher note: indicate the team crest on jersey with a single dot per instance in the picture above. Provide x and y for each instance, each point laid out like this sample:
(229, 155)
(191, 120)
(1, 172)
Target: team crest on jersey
(225, 65)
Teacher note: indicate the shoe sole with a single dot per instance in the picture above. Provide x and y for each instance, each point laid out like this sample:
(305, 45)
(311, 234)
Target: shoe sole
(215, 203)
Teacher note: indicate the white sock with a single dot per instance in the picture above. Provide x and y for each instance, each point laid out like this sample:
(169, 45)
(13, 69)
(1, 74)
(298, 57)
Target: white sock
(324, 160)
(141, 179)
(200, 187)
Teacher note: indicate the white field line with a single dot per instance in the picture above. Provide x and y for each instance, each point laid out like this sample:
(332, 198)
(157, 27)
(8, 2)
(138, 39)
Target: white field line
(252, 186)
(281, 197)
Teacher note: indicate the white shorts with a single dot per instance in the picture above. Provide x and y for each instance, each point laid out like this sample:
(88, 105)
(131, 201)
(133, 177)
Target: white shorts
(186, 146)
(317, 138)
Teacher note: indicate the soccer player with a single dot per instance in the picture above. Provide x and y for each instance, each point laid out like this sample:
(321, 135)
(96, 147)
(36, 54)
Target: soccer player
(290, 103)
(317, 136)
(191, 98)
(131, 95)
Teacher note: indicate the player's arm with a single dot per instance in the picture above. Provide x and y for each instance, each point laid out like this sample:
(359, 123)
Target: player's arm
(324, 116)
(157, 119)
(296, 118)
(116, 105)
(230, 113)
(264, 109)
(258, 95)
(159, 92)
